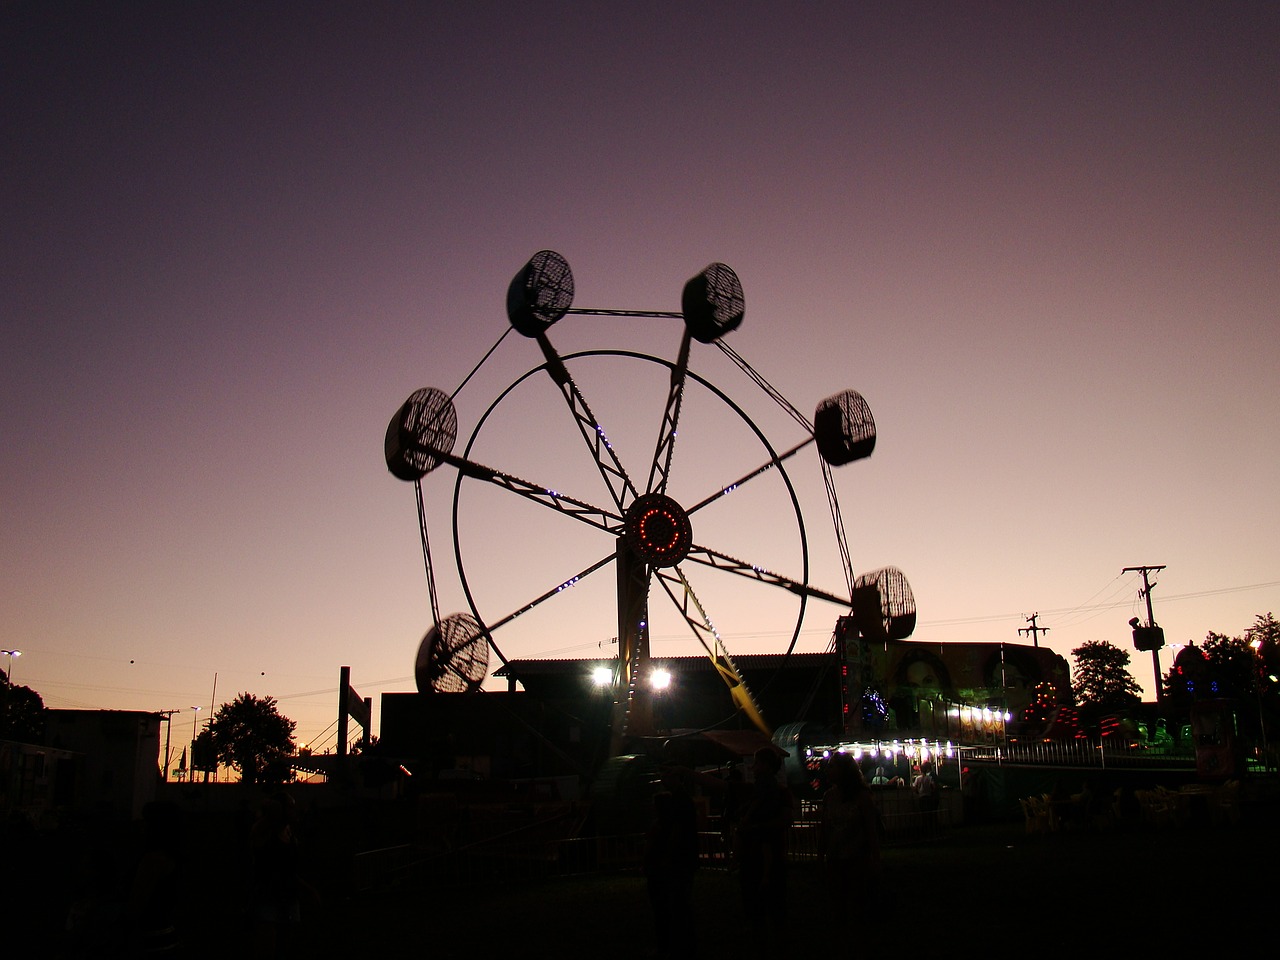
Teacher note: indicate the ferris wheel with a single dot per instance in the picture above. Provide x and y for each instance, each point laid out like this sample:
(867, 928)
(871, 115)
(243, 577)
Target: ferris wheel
(627, 515)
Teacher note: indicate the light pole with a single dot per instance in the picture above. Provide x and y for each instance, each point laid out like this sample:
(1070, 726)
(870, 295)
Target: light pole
(11, 654)
(1259, 673)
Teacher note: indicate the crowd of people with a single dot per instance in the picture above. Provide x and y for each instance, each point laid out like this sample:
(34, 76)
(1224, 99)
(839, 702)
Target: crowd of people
(756, 813)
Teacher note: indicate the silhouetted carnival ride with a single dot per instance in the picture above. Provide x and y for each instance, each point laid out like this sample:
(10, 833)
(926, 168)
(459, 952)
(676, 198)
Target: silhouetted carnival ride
(647, 536)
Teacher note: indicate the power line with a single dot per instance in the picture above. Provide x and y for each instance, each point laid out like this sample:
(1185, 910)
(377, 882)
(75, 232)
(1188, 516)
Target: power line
(1088, 610)
(1092, 610)
(1109, 605)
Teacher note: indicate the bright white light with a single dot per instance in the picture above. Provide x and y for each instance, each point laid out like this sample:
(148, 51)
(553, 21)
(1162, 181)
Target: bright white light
(602, 676)
(660, 679)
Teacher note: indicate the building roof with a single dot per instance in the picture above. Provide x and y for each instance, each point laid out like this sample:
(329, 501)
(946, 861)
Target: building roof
(745, 661)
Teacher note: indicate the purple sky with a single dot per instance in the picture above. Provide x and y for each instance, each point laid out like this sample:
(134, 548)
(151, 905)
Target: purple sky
(1041, 239)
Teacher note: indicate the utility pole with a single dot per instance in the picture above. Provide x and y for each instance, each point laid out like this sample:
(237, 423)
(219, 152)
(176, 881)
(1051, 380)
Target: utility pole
(168, 731)
(1034, 630)
(1145, 594)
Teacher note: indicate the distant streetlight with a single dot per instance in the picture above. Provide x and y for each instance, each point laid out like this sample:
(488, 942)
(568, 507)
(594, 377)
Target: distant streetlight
(11, 654)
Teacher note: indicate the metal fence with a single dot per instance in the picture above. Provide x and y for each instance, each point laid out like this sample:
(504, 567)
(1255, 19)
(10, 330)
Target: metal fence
(1081, 752)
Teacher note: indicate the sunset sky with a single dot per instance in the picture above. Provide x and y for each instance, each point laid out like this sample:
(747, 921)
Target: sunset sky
(1042, 239)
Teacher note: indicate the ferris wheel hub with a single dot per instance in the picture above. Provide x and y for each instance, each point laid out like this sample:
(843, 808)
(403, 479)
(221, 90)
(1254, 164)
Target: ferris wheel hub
(657, 529)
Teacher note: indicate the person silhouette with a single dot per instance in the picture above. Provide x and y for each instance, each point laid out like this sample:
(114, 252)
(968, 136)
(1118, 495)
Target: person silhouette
(670, 862)
(762, 848)
(849, 834)
(152, 920)
(278, 886)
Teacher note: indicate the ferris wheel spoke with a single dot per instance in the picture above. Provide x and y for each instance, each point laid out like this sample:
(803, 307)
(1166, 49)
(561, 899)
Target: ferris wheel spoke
(661, 467)
(561, 588)
(721, 561)
(763, 468)
(611, 469)
(589, 514)
(677, 587)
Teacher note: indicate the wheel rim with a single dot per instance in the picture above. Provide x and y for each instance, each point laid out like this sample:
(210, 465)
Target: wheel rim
(716, 393)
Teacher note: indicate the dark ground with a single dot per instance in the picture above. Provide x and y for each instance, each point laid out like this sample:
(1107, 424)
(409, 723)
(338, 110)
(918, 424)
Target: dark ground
(988, 890)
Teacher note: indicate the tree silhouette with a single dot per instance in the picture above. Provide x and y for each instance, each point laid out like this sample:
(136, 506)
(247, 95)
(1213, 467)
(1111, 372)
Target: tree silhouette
(1245, 669)
(252, 736)
(204, 756)
(21, 713)
(1232, 667)
(1236, 666)
(1101, 680)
